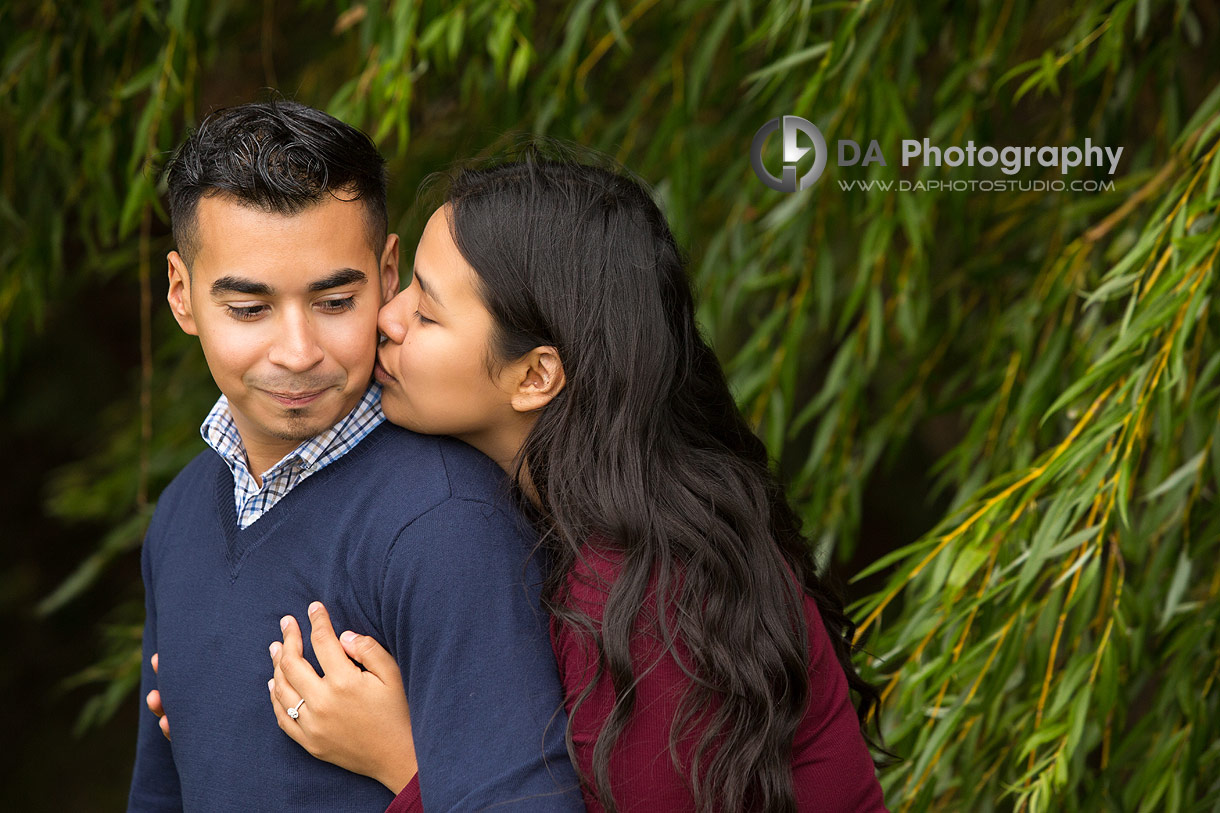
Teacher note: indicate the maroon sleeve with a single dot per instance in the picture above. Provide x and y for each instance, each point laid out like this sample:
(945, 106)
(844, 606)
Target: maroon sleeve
(407, 800)
(831, 767)
(643, 778)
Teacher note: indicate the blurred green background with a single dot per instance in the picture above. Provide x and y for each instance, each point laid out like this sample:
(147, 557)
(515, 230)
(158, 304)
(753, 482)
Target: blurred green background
(997, 408)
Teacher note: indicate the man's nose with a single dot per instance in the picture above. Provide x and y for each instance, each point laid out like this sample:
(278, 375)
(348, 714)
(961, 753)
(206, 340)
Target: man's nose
(390, 319)
(296, 347)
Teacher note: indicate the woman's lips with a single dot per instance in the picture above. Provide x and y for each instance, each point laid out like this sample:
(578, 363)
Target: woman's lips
(380, 373)
(295, 400)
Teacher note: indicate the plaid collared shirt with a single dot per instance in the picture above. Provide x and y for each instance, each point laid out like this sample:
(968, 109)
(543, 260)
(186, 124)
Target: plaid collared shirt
(219, 432)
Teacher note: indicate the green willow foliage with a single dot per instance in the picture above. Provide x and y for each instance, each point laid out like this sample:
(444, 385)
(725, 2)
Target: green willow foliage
(1052, 643)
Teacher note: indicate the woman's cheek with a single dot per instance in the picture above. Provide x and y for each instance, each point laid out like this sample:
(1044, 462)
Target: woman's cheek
(411, 350)
(420, 362)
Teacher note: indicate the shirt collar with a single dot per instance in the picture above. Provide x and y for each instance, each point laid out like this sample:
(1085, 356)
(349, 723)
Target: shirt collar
(219, 431)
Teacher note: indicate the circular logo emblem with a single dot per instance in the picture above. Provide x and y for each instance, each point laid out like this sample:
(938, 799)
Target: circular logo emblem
(788, 182)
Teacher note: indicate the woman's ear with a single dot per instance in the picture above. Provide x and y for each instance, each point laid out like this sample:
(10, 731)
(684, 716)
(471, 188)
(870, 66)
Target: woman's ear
(537, 378)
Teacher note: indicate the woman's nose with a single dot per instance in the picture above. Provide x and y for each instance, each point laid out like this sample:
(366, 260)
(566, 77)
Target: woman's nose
(390, 321)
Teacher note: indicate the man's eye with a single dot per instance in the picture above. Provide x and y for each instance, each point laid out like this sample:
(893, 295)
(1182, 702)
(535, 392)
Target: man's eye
(338, 305)
(246, 313)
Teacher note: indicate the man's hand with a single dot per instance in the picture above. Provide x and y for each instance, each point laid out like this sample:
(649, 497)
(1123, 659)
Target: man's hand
(154, 703)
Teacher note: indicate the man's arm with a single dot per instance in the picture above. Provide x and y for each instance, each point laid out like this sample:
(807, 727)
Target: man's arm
(154, 782)
(460, 613)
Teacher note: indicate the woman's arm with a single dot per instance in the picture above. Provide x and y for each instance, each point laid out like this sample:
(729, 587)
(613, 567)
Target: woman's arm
(831, 767)
(408, 800)
(642, 774)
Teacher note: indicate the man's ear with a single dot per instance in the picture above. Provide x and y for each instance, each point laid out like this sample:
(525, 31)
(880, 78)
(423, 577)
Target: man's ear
(537, 378)
(179, 296)
(389, 269)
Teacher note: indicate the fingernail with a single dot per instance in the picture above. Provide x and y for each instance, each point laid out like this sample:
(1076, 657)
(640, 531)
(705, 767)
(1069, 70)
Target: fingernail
(313, 608)
(271, 684)
(274, 648)
(348, 637)
(284, 623)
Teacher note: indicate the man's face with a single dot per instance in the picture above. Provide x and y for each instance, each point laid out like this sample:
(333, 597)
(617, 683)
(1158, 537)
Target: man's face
(285, 308)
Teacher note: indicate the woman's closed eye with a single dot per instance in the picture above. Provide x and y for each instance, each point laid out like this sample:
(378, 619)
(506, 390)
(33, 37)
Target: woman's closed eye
(424, 320)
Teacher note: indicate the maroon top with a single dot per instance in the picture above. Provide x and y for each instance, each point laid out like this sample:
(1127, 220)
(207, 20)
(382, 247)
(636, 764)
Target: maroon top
(831, 766)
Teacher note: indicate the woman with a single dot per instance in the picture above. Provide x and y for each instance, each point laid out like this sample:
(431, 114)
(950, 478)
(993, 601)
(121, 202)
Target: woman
(550, 324)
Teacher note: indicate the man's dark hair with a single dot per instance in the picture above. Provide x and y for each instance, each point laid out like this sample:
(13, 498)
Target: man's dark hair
(277, 156)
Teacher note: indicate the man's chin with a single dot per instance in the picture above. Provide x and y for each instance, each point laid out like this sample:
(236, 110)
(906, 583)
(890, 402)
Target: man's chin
(296, 436)
(298, 424)
(302, 426)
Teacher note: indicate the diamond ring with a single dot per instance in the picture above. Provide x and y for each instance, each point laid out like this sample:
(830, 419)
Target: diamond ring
(294, 712)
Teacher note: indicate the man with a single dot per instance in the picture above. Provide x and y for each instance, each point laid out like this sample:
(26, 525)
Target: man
(306, 493)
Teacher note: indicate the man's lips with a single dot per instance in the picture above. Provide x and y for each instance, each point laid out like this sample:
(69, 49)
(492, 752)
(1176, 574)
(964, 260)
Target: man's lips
(295, 399)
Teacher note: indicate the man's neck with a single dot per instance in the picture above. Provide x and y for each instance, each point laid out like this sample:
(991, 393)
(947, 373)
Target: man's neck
(262, 456)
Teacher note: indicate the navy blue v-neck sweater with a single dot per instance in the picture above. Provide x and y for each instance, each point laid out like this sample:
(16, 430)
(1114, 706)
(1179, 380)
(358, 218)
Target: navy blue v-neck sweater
(408, 538)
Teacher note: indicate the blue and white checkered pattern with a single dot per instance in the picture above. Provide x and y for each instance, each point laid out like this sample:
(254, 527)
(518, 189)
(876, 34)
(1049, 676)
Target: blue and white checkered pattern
(219, 432)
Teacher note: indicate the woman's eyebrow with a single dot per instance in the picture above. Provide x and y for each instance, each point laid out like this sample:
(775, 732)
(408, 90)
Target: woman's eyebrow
(424, 287)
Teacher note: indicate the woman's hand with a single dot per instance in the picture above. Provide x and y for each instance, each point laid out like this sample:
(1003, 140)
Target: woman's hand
(356, 720)
(154, 703)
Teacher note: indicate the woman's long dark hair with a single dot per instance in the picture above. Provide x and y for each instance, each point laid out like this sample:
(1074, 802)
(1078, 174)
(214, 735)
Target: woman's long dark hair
(645, 447)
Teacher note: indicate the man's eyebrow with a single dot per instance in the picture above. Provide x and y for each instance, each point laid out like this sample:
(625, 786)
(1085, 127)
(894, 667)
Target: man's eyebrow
(237, 285)
(344, 276)
(423, 287)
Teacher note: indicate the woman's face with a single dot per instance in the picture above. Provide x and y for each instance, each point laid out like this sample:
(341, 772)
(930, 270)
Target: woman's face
(433, 365)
